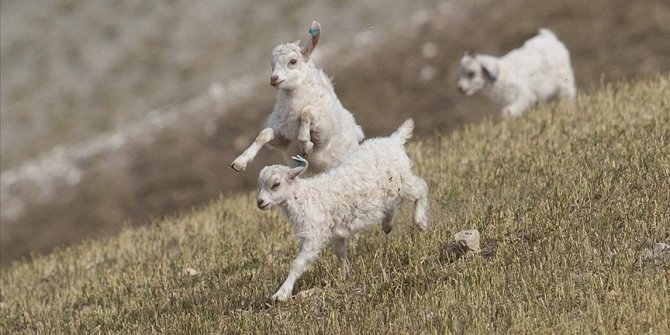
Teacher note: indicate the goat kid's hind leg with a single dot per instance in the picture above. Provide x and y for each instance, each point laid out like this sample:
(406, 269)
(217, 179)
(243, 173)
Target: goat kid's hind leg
(523, 101)
(309, 252)
(417, 191)
(340, 249)
(305, 144)
(567, 91)
(387, 221)
(240, 163)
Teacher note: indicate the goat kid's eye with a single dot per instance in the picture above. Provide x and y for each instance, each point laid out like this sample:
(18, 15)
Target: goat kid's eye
(471, 74)
(275, 186)
(293, 61)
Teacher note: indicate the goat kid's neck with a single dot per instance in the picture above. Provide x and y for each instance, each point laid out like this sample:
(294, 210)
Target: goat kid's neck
(297, 202)
(306, 86)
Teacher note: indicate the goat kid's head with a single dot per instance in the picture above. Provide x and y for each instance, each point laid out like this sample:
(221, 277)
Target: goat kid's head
(290, 60)
(476, 71)
(275, 183)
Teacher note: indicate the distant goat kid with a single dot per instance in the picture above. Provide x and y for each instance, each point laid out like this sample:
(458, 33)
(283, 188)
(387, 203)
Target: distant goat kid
(331, 207)
(308, 118)
(536, 72)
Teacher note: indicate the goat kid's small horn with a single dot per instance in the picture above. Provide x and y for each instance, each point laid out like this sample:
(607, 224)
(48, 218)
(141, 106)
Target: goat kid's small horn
(315, 30)
(299, 160)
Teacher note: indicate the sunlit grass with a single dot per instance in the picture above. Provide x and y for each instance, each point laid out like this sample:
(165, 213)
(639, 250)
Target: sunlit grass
(567, 197)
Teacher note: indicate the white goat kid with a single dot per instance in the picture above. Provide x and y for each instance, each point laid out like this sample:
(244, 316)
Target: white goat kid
(308, 118)
(537, 72)
(332, 206)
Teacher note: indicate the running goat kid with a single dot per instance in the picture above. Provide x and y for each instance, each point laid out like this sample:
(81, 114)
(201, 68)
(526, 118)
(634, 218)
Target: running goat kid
(331, 207)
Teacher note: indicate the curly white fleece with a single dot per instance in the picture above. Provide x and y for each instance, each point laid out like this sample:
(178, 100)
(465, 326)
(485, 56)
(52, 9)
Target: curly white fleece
(331, 207)
(308, 119)
(538, 71)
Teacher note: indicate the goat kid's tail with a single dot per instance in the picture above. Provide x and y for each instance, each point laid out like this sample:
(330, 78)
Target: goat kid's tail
(546, 31)
(404, 133)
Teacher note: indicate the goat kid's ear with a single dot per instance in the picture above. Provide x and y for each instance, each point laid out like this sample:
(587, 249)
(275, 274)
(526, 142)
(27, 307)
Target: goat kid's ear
(490, 67)
(298, 170)
(315, 32)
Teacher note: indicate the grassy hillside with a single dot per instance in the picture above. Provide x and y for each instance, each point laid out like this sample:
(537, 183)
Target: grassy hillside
(170, 168)
(566, 198)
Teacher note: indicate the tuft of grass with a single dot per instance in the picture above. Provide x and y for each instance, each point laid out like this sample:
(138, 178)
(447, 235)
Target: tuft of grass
(566, 198)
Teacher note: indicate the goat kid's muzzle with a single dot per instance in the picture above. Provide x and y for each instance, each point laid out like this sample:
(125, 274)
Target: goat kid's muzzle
(274, 81)
(262, 205)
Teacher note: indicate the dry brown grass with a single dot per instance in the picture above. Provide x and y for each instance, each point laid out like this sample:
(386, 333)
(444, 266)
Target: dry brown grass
(567, 198)
(186, 166)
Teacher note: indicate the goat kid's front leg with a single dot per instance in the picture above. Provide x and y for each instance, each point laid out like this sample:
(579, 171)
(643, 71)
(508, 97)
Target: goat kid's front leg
(512, 110)
(523, 101)
(309, 252)
(240, 163)
(417, 191)
(340, 249)
(387, 221)
(305, 144)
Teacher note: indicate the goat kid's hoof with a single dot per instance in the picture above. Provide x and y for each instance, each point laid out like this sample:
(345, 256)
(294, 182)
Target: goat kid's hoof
(239, 167)
(281, 295)
(306, 148)
(507, 113)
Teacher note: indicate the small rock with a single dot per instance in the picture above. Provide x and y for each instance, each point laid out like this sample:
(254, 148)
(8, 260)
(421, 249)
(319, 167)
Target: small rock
(191, 272)
(658, 251)
(471, 239)
(466, 242)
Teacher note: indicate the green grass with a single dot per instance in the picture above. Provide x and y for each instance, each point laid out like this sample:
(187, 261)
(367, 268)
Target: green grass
(566, 198)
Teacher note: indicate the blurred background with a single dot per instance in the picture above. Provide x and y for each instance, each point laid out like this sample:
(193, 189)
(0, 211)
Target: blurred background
(114, 113)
